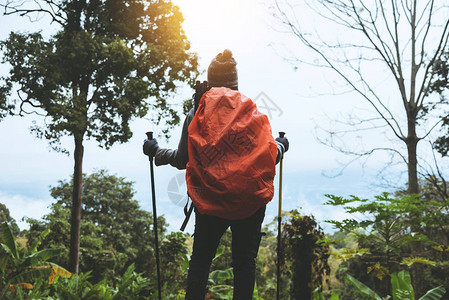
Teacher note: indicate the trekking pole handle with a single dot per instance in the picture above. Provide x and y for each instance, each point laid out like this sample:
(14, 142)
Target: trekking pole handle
(150, 137)
(281, 134)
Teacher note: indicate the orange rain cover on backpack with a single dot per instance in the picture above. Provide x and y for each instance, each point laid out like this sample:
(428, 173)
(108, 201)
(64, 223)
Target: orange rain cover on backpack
(232, 156)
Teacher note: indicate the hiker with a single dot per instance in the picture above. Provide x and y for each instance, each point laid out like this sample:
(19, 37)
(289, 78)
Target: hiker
(217, 206)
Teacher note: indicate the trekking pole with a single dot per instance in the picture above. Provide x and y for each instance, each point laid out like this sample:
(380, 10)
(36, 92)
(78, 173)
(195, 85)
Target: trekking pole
(153, 194)
(278, 283)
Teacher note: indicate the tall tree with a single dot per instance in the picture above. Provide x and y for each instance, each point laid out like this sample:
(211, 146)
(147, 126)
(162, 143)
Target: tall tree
(111, 61)
(115, 232)
(370, 45)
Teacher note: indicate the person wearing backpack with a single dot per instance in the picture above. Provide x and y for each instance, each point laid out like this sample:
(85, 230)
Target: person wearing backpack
(230, 154)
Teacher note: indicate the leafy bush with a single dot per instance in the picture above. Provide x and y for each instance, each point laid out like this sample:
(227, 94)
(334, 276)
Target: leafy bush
(402, 288)
(129, 286)
(24, 268)
(393, 233)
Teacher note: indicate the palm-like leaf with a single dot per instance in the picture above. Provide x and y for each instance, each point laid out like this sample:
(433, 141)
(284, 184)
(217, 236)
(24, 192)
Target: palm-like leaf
(362, 288)
(434, 294)
(402, 286)
(39, 240)
(8, 240)
(27, 265)
(31, 275)
(40, 256)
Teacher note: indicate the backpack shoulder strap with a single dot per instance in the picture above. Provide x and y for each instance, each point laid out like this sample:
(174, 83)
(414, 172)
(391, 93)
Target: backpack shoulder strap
(200, 89)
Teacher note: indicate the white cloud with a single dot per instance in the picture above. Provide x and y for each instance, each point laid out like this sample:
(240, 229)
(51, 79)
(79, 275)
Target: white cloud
(22, 206)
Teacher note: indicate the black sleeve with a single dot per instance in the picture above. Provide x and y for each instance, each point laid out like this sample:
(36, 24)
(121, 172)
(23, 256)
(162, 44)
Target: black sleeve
(177, 158)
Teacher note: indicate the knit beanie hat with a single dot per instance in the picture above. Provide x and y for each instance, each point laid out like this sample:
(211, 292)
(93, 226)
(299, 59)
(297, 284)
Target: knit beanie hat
(222, 71)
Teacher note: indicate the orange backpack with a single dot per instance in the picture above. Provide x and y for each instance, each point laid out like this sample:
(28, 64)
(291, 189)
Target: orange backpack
(232, 156)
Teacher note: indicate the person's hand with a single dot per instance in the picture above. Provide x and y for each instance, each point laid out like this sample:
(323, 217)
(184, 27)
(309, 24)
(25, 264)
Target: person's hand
(284, 142)
(150, 147)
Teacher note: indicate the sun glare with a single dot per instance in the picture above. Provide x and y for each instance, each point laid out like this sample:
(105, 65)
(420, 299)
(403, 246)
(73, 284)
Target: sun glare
(216, 23)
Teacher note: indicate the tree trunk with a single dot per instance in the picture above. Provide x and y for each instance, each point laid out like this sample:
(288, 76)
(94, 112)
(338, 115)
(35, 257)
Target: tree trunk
(302, 276)
(75, 232)
(413, 187)
(412, 143)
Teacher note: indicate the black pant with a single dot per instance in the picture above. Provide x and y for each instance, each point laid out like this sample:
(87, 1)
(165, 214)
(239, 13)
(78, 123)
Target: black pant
(246, 234)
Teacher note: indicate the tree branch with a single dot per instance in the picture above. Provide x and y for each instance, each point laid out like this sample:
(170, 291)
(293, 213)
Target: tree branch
(19, 7)
(296, 31)
(438, 53)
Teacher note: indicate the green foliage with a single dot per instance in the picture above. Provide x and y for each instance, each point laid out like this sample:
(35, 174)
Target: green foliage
(307, 257)
(6, 107)
(221, 276)
(77, 287)
(410, 261)
(218, 289)
(392, 233)
(6, 217)
(389, 224)
(110, 61)
(26, 273)
(362, 289)
(434, 294)
(220, 280)
(441, 86)
(401, 288)
(115, 233)
(223, 256)
(320, 295)
(25, 268)
(348, 253)
(174, 259)
(266, 264)
(130, 285)
(111, 230)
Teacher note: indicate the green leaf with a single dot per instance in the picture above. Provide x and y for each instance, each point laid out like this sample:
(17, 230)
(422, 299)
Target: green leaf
(317, 294)
(9, 240)
(221, 275)
(362, 288)
(409, 261)
(40, 256)
(401, 286)
(3, 263)
(39, 240)
(219, 252)
(434, 294)
(334, 296)
(222, 291)
(31, 275)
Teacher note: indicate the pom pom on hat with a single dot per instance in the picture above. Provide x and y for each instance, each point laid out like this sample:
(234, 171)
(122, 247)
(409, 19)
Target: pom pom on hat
(227, 54)
(222, 71)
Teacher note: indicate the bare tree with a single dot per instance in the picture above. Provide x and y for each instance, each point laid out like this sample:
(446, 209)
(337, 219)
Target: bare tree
(400, 40)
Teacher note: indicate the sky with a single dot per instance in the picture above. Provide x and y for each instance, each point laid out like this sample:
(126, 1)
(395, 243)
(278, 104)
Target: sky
(28, 167)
